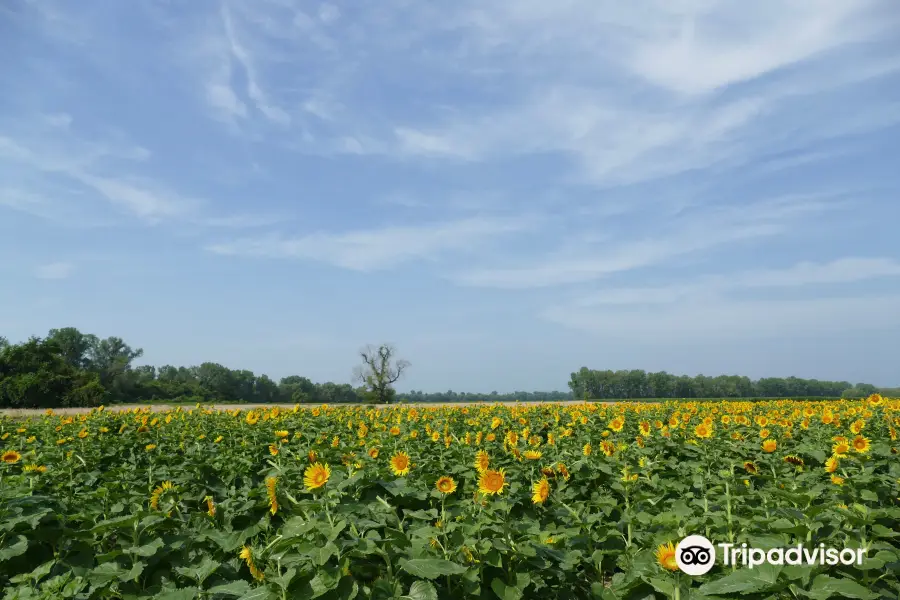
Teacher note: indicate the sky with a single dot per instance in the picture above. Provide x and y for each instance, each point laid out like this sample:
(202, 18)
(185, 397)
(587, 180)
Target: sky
(506, 191)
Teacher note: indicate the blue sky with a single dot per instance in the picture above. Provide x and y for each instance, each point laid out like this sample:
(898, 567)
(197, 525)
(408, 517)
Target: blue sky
(505, 190)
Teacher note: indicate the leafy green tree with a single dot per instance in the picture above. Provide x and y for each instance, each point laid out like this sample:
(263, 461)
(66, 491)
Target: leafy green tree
(77, 348)
(35, 374)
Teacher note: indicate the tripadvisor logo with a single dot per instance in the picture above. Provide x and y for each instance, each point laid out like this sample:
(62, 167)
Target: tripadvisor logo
(696, 555)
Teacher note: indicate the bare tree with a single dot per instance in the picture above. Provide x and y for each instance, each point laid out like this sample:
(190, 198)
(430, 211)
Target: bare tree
(380, 371)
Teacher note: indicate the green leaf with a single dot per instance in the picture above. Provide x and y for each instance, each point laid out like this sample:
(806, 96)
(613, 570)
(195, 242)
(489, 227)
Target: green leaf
(260, 593)
(147, 549)
(504, 591)
(431, 568)
(743, 581)
(869, 496)
(16, 548)
(421, 590)
(826, 586)
(201, 571)
(324, 581)
(118, 522)
(106, 573)
(188, 593)
(237, 588)
(662, 586)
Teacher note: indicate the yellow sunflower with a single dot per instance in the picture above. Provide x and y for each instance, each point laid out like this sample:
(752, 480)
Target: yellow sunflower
(794, 460)
(861, 444)
(665, 556)
(445, 485)
(540, 491)
(316, 475)
(492, 481)
(482, 461)
(831, 465)
(533, 454)
(400, 464)
(157, 493)
(11, 457)
(703, 430)
(769, 445)
(271, 493)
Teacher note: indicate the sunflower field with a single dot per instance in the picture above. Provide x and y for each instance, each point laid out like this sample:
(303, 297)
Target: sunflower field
(418, 503)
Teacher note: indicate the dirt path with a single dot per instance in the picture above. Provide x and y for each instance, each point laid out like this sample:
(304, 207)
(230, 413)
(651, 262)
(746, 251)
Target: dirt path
(25, 412)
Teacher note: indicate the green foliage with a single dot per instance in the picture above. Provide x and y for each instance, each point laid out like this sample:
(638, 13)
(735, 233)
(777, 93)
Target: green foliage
(194, 503)
(638, 384)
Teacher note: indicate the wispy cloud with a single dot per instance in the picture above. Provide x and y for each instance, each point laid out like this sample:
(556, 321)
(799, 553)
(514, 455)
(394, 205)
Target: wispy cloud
(844, 270)
(719, 307)
(695, 231)
(717, 320)
(367, 250)
(57, 270)
(36, 157)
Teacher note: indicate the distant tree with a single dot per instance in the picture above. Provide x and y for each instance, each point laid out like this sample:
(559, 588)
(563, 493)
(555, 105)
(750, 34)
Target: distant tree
(379, 372)
(34, 374)
(78, 349)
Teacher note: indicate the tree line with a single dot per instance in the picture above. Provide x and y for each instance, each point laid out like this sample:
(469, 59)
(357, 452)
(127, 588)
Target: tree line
(594, 384)
(72, 368)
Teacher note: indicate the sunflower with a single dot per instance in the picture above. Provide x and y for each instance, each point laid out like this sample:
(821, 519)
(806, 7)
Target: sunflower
(616, 424)
(533, 454)
(563, 470)
(247, 556)
(11, 457)
(840, 449)
(445, 485)
(665, 556)
(316, 475)
(875, 400)
(831, 465)
(587, 449)
(764, 433)
(608, 448)
(281, 433)
(400, 464)
(218, 439)
(166, 486)
(312, 456)
(857, 426)
(644, 427)
(210, 506)
(373, 452)
(492, 481)
(273, 449)
(540, 491)
(794, 460)
(703, 430)
(482, 461)
(271, 487)
(34, 469)
(150, 447)
(769, 446)
(861, 444)
(837, 479)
